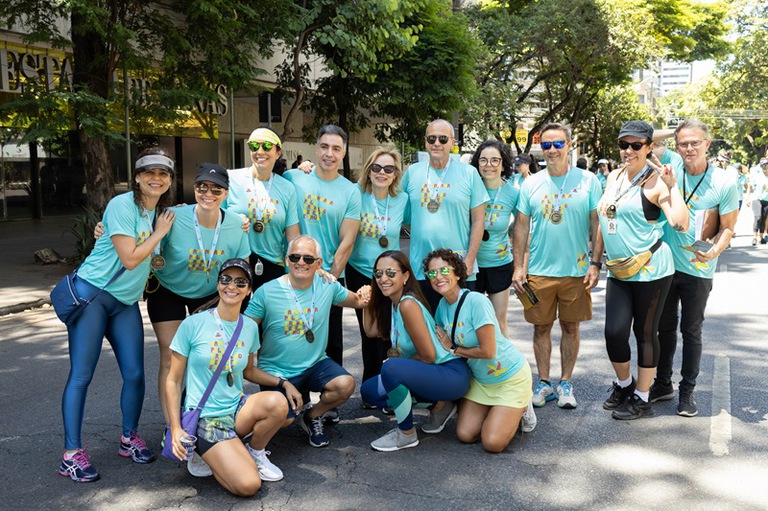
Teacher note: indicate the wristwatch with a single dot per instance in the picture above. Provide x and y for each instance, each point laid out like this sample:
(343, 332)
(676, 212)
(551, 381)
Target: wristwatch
(453, 349)
(280, 383)
(599, 264)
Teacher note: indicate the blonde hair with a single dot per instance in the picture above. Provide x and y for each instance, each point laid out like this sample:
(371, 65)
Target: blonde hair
(365, 174)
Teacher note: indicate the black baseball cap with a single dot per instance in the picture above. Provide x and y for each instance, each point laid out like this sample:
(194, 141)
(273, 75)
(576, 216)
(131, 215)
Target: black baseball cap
(214, 173)
(521, 158)
(640, 129)
(239, 263)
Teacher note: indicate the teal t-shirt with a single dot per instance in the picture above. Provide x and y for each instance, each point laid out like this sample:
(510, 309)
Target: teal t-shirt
(603, 180)
(499, 212)
(122, 217)
(199, 339)
(460, 191)
(517, 180)
(367, 247)
(476, 312)
(184, 271)
(559, 250)
(285, 351)
(323, 206)
(716, 190)
(277, 208)
(404, 341)
(629, 233)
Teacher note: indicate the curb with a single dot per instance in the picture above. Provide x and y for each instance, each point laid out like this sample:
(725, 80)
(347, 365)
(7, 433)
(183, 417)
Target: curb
(21, 307)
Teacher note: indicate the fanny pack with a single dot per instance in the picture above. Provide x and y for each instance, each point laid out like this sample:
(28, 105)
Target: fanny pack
(627, 267)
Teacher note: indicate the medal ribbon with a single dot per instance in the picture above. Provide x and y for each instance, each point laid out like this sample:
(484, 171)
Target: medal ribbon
(260, 202)
(220, 326)
(206, 264)
(393, 333)
(617, 197)
(292, 294)
(381, 221)
(489, 212)
(151, 225)
(433, 193)
(687, 199)
(559, 197)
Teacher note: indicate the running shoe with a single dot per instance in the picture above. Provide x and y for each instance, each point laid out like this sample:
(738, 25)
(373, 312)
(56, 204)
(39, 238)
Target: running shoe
(687, 405)
(635, 408)
(394, 440)
(619, 396)
(268, 471)
(197, 466)
(529, 420)
(135, 448)
(314, 428)
(437, 420)
(565, 397)
(543, 393)
(331, 415)
(661, 391)
(78, 467)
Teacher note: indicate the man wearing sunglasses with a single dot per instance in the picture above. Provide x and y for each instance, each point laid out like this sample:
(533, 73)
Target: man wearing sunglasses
(709, 192)
(293, 311)
(559, 209)
(329, 211)
(447, 199)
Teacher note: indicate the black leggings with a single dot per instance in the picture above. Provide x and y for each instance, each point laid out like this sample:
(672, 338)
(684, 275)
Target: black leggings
(637, 305)
(763, 216)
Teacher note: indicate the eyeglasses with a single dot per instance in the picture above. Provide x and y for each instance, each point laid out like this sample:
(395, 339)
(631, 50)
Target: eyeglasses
(202, 188)
(388, 169)
(444, 271)
(254, 146)
(558, 144)
(295, 258)
(686, 145)
(389, 272)
(485, 161)
(636, 146)
(431, 139)
(226, 280)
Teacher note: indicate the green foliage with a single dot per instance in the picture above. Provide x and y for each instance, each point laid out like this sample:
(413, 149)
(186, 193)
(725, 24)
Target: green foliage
(83, 233)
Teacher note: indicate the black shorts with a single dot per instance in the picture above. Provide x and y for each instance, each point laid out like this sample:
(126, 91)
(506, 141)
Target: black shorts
(165, 305)
(495, 279)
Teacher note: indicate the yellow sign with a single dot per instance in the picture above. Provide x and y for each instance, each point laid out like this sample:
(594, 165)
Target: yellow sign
(521, 136)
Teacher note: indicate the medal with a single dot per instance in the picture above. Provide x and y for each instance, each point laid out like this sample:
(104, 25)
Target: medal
(486, 235)
(556, 217)
(230, 379)
(394, 353)
(610, 212)
(433, 206)
(309, 335)
(258, 226)
(383, 242)
(157, 262)
(258, 268)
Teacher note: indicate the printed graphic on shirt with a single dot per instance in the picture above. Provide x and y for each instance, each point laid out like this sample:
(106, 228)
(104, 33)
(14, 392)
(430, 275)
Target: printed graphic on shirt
(581, 261)
(502, 250)
(548, 204)
(142, 237)
(492, 213)
(197, 263)
(314, 207)
(269, 207)
(426, 194)
(369, 225)
(293, 323)
(217, 348)
(496, 370)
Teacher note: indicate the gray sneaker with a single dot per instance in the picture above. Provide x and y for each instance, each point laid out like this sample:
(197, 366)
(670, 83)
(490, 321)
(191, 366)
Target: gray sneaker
(529, 420)
(437, 420)
(198, 467)
(395, 440)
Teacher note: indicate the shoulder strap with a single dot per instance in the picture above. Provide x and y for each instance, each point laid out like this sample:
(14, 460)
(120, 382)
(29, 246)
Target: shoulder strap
(222, 362)
(456, 316)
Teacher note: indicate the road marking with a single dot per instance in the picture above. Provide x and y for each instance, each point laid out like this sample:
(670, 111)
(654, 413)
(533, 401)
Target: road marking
(720, 427)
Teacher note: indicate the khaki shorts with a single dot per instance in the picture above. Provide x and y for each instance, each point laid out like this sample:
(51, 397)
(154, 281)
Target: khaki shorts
(559, 297)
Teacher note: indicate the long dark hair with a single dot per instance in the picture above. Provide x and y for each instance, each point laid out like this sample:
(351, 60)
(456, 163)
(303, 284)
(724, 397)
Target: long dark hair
(168, 198)
(380, 304)
(506, 156)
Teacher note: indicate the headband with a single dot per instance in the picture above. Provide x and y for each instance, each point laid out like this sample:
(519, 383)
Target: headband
(155, 161)
(265, 134)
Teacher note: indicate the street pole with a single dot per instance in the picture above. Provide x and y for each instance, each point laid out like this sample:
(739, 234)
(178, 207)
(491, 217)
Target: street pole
(127, 121)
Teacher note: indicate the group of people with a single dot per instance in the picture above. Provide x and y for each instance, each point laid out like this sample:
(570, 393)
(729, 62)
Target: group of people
(433, 323)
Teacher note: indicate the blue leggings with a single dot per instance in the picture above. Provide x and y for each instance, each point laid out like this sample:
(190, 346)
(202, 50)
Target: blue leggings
(404, 382)
(121, 324)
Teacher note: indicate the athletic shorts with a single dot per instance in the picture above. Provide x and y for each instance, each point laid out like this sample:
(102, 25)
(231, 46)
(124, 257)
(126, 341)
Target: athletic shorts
(559, 297)
(494, 279)
(165, 305)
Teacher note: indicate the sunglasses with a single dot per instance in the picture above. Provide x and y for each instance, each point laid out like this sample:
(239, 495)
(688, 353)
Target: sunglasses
(295, 258)
(431, 139)
(388, 169)
(202, 188)
(558, 144)
(444, 271)
(485, 161)
(636, 146)
(389, 272)
(254, 146)
(226, 280)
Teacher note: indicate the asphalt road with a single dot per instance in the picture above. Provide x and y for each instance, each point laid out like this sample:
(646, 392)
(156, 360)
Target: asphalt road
(575, 459)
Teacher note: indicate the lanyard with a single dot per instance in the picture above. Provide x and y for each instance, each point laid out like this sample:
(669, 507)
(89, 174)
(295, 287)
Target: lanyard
(489, 211)
(381, 221)
(206, 264)
(433, 193)
(224, 336)
(559, 197)
(394, 334)
(688, 198)
(260, 201)
(292, 294)
(151, 225)
(617, 197)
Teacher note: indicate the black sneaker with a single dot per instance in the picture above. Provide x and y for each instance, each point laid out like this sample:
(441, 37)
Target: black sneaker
(619, 396)
(332, 416)
(635, 408)
(687, 405)
(661, 391)
(314, 428)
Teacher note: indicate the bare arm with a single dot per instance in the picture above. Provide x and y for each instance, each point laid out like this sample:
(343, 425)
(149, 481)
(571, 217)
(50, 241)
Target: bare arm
(173, 386)
(477, 226)
(668, 197)
(593, 272)
(260, 377)
(357, 300)
(486, 336)
(132, 255)
(416, 325)
(347, 234)
(723, 238)
(520, 248)
(369, 324)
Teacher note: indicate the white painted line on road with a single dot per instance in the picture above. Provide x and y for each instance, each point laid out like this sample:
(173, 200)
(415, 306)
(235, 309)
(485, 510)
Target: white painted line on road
(720, 428)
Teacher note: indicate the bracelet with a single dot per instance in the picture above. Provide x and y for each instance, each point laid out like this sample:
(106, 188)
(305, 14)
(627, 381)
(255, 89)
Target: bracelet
(280, 383)
(453, 349)
(598, 264)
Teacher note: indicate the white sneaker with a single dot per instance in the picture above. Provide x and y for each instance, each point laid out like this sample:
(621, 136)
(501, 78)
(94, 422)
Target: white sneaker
(198, 467)
(529, 420)
(267, 470)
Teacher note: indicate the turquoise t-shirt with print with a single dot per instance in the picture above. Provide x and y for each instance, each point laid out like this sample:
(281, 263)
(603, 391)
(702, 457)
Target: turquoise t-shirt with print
(460, 191)
(713, 189)
(629, 233)
(404, 341)
(184, 271)
(274, 202)
(476, 312)
(285, 351)
(323, 206)
(122, 217)
(367, 247)
(562, 249)
(199, 339)
(499, 212)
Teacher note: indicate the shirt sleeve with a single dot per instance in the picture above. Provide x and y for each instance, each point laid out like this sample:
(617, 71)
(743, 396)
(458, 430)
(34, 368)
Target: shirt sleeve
(729, 199)
(354, 204)
(478, 195)
(291, 207)
(181, 342)
(256, 307)
(595, 192)
(523, 200)
(120, 217)
(340, 293)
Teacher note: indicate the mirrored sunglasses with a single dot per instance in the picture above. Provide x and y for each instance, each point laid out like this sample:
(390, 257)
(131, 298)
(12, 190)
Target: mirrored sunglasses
(444, 271)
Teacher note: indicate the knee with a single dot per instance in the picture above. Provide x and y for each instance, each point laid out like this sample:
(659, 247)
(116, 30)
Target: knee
(541, 331)
(569, 327)
(276, 405)
(246, 487)
(466, 435)
(345, 386)
(495, 442)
